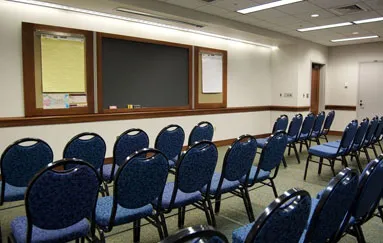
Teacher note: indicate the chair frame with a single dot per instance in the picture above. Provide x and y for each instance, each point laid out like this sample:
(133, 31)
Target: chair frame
(293, 144)
(196, 127)
(190, 233)
(375, 138)
(356, 153)
(366, 146)
(312, 138)
(305, 141)
(325, 130)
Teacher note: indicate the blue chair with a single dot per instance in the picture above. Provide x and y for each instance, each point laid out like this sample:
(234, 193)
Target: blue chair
(170, 141)
(197, 234)
(374, 123)
(20, 161)
(375, 138)
(283, 221)
(331, 208)
(367, 198)
(307, 126)
(327, 125)
(316, 130)
(127, 143)
(91, 148)
(138, 182)
(59, 205)
(269, 161)
(193, 172)
(380, 138)
(202, 131)
(238, 160)
(292, 134)
(333, 153)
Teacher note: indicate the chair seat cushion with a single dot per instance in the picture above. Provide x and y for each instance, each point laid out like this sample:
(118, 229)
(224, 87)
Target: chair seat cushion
(303, 136)
(227, 185)
(123, 215)
(334, 144)
(263, 175)
(19, 230)
(182, 198)
(172, 163)
(13, 193)
(106, 172)
(315, 134)
(239, 235)
(291, 139)
(261, 142)
(324, 151)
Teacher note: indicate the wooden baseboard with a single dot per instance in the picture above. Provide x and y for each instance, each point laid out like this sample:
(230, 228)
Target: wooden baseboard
(335, 133)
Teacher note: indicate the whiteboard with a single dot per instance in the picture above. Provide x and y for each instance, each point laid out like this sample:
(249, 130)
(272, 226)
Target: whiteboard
(212, 73)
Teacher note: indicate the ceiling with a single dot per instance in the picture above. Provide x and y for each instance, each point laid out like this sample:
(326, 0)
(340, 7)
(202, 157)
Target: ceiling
(286, 19)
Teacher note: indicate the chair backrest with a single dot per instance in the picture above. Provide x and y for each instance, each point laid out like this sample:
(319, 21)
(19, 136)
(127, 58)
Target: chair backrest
(197, 234)
(295, 126)
(378, 130)
(129, 142)
(284, 220)
(140, 180)
(272, 153)
(281, 123)
(21, 160)
(332, 208)
(196, 166)
(348, 136)
(369, 190)
(58, 199)
(371, 130)
(317, 127)
(308, 124)
(87, 146)
(238, 158)
(328, 122)
(360, 135)
(202, 131)
(170, 141)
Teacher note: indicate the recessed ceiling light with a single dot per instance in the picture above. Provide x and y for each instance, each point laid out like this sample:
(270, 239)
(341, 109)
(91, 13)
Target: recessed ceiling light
(267, 6)
(314, 15)
(324, 27)
(368, 20)
(355, 33)
(356, 38)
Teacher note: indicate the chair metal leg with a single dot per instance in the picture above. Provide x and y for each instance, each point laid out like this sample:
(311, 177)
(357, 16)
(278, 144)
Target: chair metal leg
(359, 234)
(358, 163)
(332, 163)
(284, 162)
(163, 223)
(102, 236)
(380, 146)
(367, 155)
(288, 153)
(136, 230)
(307, 166)
(210, 207)
(296, 152)
(106, 188)
(249, 207)
(380, 210)
(181, 217)
(77, 240)
(325, 137)
(300, 146)
(217, 204)
(274, 188)
(320, 165)
(82, 239)
(317, 140)
(344, 161)
(159, 226)
(373, 149)
(307, 145)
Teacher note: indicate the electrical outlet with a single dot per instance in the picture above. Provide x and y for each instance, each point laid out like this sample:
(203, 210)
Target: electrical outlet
(288, 95)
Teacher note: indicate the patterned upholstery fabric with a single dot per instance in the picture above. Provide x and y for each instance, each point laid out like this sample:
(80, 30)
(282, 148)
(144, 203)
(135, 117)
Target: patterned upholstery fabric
(328, 122)
(129, 143)
(196, 167)
(58, 200)
(239, 235)
(261, 142)
(141, 180)
(107, 172)
(170, 142)
(294, 127)
(306, 126)
(19, 229)
(203, 131)
(123, 215)
(227, 185)
(272, 153)
(13, 193)
(20, 163)
(262, 175)
(317, 128)
(181, 199)
(90, 150)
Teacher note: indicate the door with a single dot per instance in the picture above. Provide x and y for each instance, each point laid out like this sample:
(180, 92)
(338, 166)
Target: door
(370, 93)
(315, 84)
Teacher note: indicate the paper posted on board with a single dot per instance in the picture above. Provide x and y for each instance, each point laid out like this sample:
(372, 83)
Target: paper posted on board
(212, 73)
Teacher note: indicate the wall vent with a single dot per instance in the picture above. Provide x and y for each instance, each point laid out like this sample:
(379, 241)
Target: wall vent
(348, 9)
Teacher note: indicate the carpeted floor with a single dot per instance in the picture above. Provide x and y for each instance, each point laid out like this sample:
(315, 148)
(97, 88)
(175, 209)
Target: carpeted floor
(233, 214)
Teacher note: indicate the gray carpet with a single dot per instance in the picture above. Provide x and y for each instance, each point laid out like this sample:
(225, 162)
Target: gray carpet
(233, 214)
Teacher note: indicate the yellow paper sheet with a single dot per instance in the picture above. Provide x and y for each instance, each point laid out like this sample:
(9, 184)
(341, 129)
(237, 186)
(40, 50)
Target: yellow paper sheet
(63, 65)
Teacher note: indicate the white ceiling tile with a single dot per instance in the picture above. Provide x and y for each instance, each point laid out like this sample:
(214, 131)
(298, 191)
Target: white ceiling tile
(349, 30)
(213, 10)
(233, 5)
(333, 3)
(326, 21)
(323, 14)
(376, 27)
(298, 8)
(268, 14)
(187, 3)
(375, 4)
(299, 25)
(288, 20)
(361, 15)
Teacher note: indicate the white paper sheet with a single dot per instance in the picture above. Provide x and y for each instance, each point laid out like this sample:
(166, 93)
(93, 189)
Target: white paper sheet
(212, 73)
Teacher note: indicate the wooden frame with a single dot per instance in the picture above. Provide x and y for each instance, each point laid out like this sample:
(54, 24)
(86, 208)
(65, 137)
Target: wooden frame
(100, 107)
(197, 104)
(28, 30)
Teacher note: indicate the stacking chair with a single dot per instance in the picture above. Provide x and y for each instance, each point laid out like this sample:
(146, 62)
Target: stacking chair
(283, 221)
(374, 123)
(138, 182)
(380, 138)
(367, 198)
(193, 172)
(199, 233)
(20, 161)
(333, 153)
(170, 141)
(375, 138)
(316, 130)
(202, 131)
(303, 136)
(59, 205)
(269, 162)
(91, 148)
(331, 208)
(238, 160)
(327, 125)
(292, 134)
(127, 143)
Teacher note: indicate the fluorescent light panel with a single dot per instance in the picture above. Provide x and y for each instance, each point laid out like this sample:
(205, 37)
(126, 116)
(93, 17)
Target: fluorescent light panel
(324, 27)
(368, 20)
(356, 38)
(106, 15)
(267, 6)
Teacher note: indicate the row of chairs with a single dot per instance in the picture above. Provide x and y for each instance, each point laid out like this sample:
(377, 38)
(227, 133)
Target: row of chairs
(141, 190)
(355, 139)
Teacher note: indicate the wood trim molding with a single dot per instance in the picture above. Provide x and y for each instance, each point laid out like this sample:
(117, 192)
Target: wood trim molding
(335, 133)
(289, 108)
(341, 107)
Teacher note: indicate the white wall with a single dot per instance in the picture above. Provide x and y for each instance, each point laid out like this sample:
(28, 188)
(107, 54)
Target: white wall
(249, 78)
